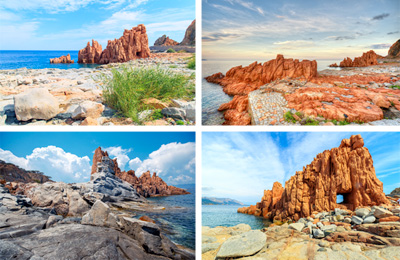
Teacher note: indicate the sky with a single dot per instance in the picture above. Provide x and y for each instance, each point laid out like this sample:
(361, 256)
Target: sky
(67, 156)
(70, 24)
(241, 165)
(307, 29)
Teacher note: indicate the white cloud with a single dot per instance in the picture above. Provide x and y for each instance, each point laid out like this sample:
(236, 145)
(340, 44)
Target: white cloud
(119, 153)
(54, 162)
(173, 161)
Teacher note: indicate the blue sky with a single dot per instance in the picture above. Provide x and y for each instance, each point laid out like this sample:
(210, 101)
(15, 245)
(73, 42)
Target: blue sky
(69, 25)
(67, 156)
(312, 29)
(241, 165)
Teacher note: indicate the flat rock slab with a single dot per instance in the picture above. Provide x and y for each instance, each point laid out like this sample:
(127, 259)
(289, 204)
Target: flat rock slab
(245, 244)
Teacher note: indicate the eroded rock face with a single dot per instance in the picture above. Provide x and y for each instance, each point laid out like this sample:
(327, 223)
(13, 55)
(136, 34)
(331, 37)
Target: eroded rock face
(165, 41)
(62, 59)
(146, 185)
(346, 170)
(367, 59)
(243, 80)
(394, 51)
(133, 44)
(190, 35)
(90, 54)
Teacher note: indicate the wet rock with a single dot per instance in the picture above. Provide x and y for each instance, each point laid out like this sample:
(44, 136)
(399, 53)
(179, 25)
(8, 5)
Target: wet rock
(35, 104)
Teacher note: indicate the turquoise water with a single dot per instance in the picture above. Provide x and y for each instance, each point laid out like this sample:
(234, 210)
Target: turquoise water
(38, 60)
(212, 94)
(226, 215)
(179, 222)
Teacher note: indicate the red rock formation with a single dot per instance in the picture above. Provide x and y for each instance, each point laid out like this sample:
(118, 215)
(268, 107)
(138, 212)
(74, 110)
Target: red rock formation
(134, 44)
(394, 51)
(148, 186)
(145, 185)
(90, 54)
(367, 59)
(165, 41)
(347, 170)
(242, 80)
(62, 59)
(190, 35)
(12, 173)
(236, 111)
(358, 104)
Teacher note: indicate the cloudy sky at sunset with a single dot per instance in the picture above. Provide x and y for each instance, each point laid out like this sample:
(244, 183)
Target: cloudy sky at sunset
(312, 29)
(68, 156)
(241, 165)
(69, 25)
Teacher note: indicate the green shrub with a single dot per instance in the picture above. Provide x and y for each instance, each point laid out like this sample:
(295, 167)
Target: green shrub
(192, 62)
(173, 66)
(288, 116)
(344, 122)
(157, 114)
(170, 50)
(395, 87)
(125, 89)
(180, 122)
(310, 121)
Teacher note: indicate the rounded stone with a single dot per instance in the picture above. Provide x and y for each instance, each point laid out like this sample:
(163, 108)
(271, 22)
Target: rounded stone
(245, 244)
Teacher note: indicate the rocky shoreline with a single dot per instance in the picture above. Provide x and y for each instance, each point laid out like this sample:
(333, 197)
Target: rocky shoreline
(74, 96)
(50, 220)
(292, 92)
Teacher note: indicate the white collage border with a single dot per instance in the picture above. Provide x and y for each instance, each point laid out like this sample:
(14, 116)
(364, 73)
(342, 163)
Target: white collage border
(198, 128)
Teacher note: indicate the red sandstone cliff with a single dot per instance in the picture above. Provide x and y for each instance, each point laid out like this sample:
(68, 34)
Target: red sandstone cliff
(190, 35)
(165, 41)
(62, 59)
(145, 185)
(242, 80)
(12, 173)
(133, 44)
(347, 170)
(367, 59)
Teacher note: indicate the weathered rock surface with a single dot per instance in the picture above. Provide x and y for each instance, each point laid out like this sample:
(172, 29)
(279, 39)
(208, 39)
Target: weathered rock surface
(146, 185)
(134, 44)
(347, 170)
(62, 59)
(88, 109)
(12, 173)
(90, 54)
(165, 41)
(367, 59)
(190, 35)
(35, 103)
(245, 244)
(394, 51)
(242, 80)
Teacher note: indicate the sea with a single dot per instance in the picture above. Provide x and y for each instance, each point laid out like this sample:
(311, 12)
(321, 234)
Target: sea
(212, 94)
(178, 221)
(226, 215)
(38, 60)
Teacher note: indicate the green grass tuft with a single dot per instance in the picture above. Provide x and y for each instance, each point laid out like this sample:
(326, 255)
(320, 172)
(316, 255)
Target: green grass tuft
(170, 50)
(192, 62)
(157, 114)
(180, 122)
(310, 121)
(288, 116)
(126, 88)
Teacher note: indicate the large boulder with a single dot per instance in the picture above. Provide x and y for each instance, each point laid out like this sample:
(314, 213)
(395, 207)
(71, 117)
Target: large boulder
(35, 103)
(100, 215)
(242, 245)
(62, 59)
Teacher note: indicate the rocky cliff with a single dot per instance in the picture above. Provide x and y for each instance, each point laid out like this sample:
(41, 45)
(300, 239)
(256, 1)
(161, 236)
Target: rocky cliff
(165, 41)
(190, 35)
(146, 185)
(133, 44)
(394, 51)
(62, 59)
(12, 173)
(240, 81)
(367, 59)
(346, 170)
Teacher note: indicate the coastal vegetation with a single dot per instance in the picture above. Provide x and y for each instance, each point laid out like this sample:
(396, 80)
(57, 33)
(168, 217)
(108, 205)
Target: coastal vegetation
(126, 88)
